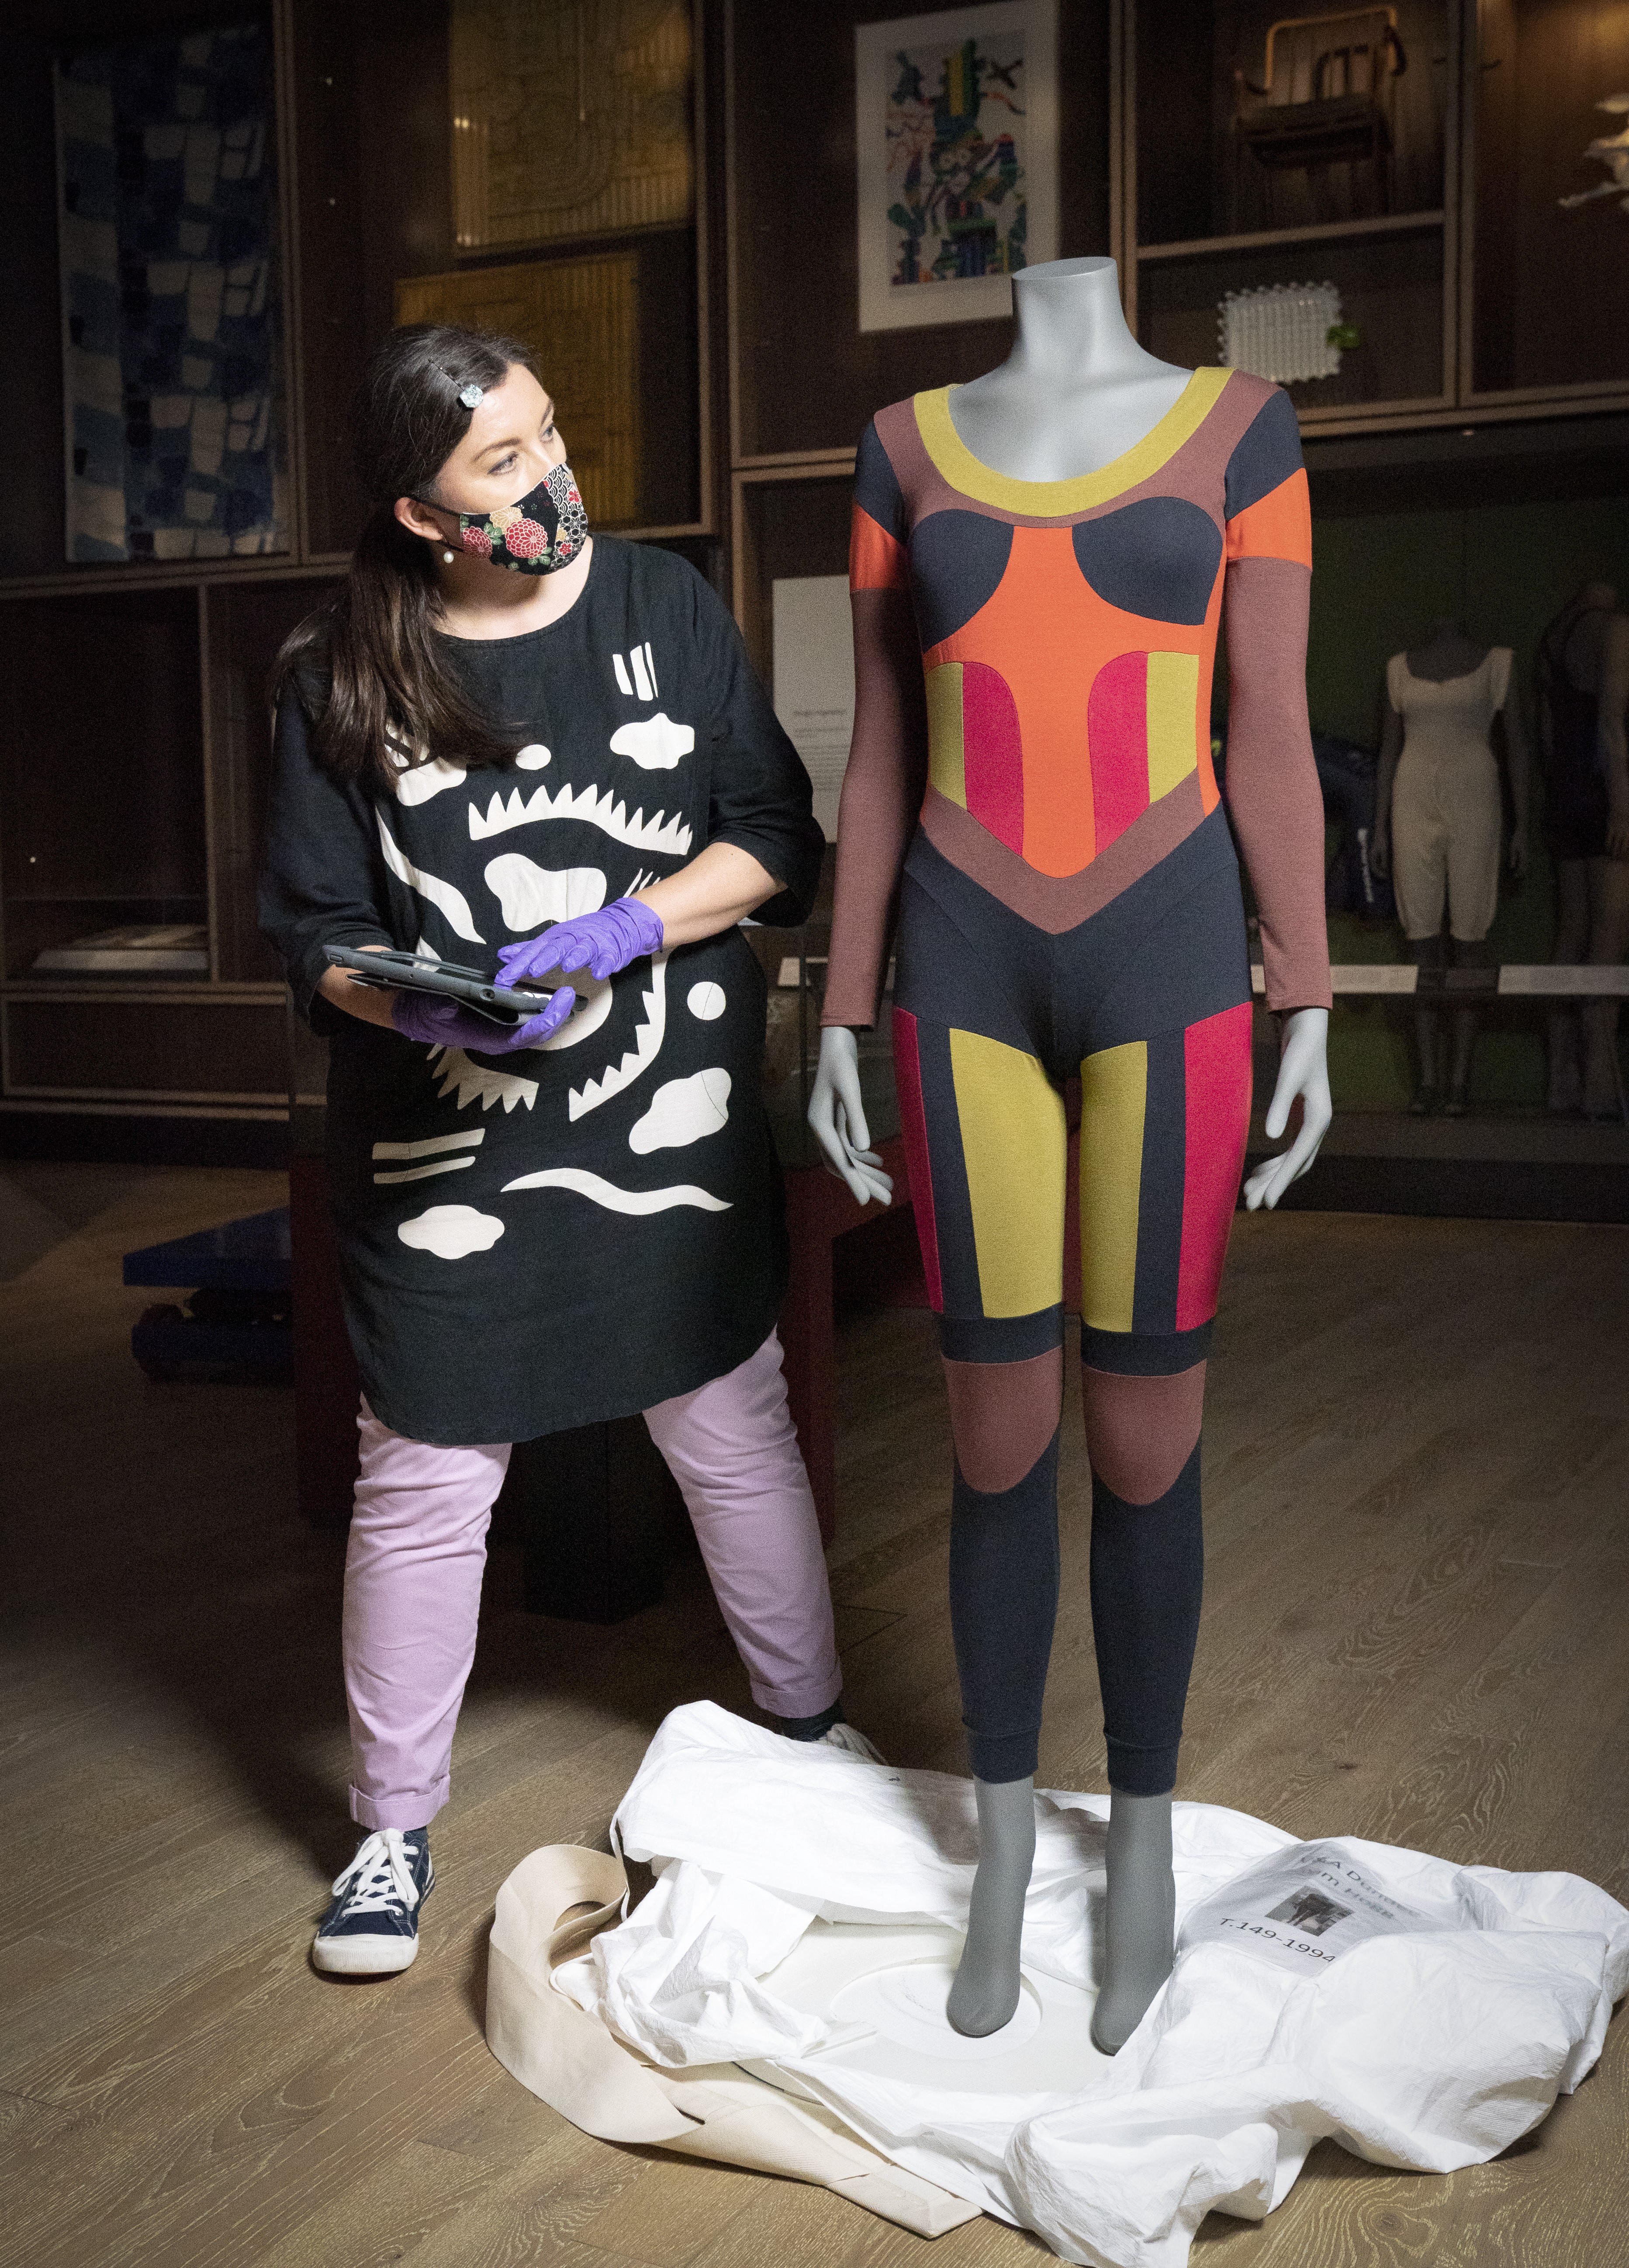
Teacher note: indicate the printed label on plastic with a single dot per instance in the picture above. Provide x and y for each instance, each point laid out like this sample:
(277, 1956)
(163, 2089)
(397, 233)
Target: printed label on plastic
(1303, 1908)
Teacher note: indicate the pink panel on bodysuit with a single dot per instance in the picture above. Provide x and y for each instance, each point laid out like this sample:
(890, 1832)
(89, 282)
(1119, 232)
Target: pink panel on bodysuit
(1116, 735)
(993, 754)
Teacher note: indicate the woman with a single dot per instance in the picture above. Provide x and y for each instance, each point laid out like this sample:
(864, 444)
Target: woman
(509, 745)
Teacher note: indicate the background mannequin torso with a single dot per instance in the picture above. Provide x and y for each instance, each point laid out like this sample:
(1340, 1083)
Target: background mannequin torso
(1077, 391)
(1447, 653)
(1438, 818)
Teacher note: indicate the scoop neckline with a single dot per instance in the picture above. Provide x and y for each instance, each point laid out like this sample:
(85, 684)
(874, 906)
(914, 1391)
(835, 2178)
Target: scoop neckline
(543, 630)
(1054, 499)
(1460, 677)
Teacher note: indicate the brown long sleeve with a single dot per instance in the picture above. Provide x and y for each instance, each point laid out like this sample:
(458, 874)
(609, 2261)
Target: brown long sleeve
(883, 791)
(1273, 796)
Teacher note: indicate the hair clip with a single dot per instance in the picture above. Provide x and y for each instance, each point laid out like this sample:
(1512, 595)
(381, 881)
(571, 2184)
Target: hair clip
(472, 395)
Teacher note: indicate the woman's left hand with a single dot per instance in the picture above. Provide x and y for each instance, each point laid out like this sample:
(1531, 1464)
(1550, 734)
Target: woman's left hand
(602, 942)
(1303, 1072)
(440, 1023)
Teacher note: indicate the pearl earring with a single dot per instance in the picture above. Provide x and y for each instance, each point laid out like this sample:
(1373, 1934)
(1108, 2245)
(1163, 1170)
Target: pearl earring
(448, 557)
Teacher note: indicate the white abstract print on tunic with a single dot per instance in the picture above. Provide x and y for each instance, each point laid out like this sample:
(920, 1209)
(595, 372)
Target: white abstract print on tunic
(451, 1231)
(656, 744)
(684, 1111)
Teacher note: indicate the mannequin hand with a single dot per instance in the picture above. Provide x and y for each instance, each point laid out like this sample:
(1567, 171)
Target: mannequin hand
(837, 1117)
(1518, 852)
(607, 941)
(1303, 1070)
(1380, 852)
(449, 1024)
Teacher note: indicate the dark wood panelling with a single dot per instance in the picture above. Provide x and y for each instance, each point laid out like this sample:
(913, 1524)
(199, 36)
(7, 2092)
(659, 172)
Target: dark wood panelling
(372, 125)
(787, 527)
(1192, 181)
(246, 623)
(101, 793)
(809, 378)
(1390, 287)
(139, 1048)
(1550, 306)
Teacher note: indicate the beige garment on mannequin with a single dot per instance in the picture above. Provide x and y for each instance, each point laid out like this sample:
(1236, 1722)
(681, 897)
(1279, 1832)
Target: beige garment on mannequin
(1447, 811)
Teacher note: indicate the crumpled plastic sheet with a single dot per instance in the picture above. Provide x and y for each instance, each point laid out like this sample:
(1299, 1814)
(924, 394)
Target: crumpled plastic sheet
(1423, 2014)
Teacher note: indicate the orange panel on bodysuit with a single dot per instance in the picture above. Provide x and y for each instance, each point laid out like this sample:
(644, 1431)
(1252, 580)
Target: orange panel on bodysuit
(1047, 633)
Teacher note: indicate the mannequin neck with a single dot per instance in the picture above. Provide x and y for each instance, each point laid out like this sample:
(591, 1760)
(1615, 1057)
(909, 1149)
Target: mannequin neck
(1077, 391)
(1072, 330)
(1450, 651)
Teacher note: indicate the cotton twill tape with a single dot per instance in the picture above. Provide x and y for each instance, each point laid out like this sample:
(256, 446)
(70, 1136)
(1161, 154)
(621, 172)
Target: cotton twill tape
(572, 2064)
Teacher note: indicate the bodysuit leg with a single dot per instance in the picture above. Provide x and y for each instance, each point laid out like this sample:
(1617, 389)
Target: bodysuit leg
(1163, 1134)
(985, 1131)
(1163, 1121)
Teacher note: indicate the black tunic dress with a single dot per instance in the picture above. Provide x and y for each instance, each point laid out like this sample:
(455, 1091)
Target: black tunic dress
(570, 1232)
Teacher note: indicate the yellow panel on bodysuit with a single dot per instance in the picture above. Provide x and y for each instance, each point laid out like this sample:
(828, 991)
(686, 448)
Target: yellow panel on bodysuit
(1173, 701)
(1015, 1147)
(947, 766)
(1114, 1090)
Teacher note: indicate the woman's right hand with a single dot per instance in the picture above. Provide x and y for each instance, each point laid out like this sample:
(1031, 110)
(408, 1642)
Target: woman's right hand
(442, 1023)
(837, 1117)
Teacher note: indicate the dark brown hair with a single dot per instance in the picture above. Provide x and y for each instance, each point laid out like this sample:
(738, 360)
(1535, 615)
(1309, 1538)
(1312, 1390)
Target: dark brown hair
(366, 664)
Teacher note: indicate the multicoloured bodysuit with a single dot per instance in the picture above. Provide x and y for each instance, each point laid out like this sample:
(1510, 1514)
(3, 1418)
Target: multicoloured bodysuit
(1033, 683)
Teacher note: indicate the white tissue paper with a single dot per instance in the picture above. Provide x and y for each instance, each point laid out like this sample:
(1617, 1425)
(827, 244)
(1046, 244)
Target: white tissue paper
(806, 1918)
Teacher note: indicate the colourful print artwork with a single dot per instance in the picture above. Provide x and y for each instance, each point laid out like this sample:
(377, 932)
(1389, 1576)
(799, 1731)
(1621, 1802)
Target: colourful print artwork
(957, 138)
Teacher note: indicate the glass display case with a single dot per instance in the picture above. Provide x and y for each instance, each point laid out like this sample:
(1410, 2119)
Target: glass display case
(1549, 132)
(1291, 199)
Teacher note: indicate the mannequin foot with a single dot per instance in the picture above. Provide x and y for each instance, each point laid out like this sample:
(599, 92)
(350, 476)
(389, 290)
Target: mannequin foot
(1426, 1100)
(985, 1992)
(1458, 1102)
(1141, 1919)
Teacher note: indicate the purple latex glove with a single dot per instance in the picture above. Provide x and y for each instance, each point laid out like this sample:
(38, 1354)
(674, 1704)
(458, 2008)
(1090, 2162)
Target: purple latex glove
(442, 1023)
(604, 941)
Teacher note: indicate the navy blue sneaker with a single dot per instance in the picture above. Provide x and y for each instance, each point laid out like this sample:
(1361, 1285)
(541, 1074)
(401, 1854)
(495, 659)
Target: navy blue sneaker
(372, 1928)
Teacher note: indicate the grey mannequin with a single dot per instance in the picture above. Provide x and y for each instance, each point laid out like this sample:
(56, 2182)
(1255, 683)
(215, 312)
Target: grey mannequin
(1449, 654)
(1076, 392)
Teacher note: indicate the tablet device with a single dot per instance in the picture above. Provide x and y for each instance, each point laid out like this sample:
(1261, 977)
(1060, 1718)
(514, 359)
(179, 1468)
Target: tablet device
(406, 972)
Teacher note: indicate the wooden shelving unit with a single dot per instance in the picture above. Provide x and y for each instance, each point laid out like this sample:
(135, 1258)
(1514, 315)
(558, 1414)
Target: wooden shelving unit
(133, 784)
(136, 768)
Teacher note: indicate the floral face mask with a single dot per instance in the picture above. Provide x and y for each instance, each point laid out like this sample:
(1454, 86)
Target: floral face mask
(540, 533)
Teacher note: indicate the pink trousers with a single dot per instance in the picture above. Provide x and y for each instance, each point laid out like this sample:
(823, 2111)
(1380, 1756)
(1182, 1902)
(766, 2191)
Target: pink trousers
(418, 1549)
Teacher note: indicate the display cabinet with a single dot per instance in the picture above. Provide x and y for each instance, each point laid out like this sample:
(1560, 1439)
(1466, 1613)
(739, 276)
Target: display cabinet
(1419, 199)
(1543, 313)
(1275, 155)
(133, 785)
(1422, 171)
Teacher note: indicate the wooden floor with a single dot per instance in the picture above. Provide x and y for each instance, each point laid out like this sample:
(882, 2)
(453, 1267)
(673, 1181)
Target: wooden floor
(1416, 1628)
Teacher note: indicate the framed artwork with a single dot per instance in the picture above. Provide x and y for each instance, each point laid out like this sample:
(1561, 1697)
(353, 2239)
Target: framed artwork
(570, 118)
(581, 320)
(957, 131)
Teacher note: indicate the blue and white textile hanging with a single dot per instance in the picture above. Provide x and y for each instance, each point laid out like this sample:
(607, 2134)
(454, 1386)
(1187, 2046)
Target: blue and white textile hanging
(167, 222)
